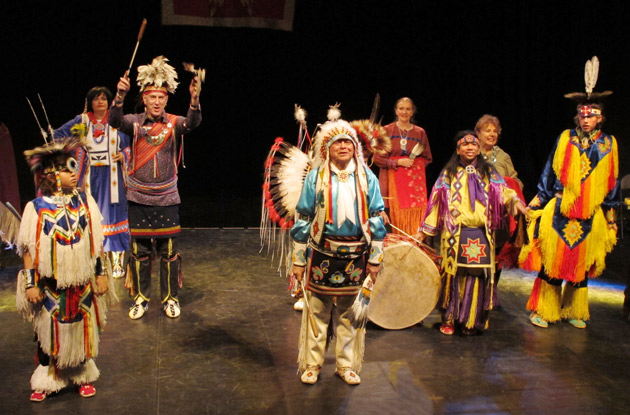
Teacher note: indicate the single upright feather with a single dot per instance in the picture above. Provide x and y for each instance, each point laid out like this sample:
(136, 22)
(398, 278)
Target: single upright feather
(375, 108)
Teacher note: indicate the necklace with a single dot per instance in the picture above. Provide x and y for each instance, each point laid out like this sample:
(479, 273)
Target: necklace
(156, 140)
(98, 128)
(404, 134)
(491, 156)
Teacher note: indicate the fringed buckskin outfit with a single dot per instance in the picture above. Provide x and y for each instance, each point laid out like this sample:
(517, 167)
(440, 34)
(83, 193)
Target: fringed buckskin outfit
(466, 209)
(338, 230)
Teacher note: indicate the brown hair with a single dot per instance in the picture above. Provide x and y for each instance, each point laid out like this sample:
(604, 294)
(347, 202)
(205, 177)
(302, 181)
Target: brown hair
(487, 119)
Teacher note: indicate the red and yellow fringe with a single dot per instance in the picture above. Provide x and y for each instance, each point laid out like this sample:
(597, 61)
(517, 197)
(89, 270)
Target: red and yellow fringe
(581, 198)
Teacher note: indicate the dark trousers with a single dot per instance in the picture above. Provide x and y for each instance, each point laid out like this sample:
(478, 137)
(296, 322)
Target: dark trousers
(170, 267)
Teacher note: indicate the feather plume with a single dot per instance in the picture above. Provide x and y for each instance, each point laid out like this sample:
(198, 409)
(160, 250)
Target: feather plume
(375, 108)
(416, 151)
(358, 315)
(591, 72)
(373, 136)
(9, 223)
(334, 113)
(159, 74)
(199, 72)
(299, 114)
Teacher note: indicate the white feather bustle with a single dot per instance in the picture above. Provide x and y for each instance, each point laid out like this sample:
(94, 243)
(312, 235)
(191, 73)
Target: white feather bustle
(46, 378)
(290, 174)
(284, 180)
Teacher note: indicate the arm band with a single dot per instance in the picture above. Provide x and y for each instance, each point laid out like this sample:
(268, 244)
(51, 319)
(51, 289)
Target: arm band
(29, 277)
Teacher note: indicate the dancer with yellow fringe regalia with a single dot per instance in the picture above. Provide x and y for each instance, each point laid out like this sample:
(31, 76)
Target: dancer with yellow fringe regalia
(573, 226)
(466, 206)
(338, 240)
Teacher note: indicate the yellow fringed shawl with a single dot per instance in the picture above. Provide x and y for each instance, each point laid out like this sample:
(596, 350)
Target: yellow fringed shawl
(585, 187)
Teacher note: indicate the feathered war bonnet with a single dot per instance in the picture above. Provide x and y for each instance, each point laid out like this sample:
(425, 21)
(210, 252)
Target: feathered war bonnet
(158, 76)
(56, 156)
(586, 99)
(329, 132)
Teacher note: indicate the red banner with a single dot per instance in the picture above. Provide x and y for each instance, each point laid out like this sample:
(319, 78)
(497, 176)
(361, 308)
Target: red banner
(262, 14)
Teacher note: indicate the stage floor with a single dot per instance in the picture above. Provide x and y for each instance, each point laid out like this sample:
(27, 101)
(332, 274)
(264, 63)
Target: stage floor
(234, 351)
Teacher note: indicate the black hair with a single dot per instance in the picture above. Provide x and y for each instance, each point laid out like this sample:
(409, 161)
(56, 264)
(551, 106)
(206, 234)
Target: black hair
(483, 167)
(96, 91)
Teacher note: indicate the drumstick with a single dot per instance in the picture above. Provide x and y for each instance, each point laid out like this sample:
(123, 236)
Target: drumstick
(308, 310)
(412, 238)
(140, 34)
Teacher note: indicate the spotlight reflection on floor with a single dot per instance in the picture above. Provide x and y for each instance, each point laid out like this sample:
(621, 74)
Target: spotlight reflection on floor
(599, 291)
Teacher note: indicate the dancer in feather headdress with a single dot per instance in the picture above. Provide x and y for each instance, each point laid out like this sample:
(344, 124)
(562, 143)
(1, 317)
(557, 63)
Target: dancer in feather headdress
(338, 239)
(574, 217)
(157, 144)
(64, 275)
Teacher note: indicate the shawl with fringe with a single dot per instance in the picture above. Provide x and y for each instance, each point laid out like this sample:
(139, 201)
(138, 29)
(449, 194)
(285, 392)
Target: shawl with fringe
(587, 176)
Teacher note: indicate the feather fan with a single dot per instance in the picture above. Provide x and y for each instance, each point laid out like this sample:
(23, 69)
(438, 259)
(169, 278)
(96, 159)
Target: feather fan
(9, 223)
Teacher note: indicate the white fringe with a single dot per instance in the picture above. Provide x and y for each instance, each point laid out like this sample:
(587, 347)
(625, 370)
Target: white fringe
(44, 377)
(302, 341)
(85, 373)
(72, 350)
(75, 264)
(359, 350)
(23, 306)
(359, 311)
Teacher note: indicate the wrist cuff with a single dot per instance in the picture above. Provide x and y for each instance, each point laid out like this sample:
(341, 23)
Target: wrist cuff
(299, 254)
(376, 253)
(29, 277)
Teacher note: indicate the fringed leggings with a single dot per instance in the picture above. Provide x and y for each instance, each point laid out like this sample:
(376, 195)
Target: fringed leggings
(552, 303)
(467, 298)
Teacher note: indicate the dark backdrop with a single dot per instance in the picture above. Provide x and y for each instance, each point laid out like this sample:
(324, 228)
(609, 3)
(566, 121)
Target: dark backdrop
(456, 59)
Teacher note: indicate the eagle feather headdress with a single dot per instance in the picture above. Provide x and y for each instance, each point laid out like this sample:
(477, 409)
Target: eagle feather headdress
(591, 73)
(158, 74)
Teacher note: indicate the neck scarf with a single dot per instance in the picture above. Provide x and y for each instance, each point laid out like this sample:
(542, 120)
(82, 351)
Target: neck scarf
(346, 194)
